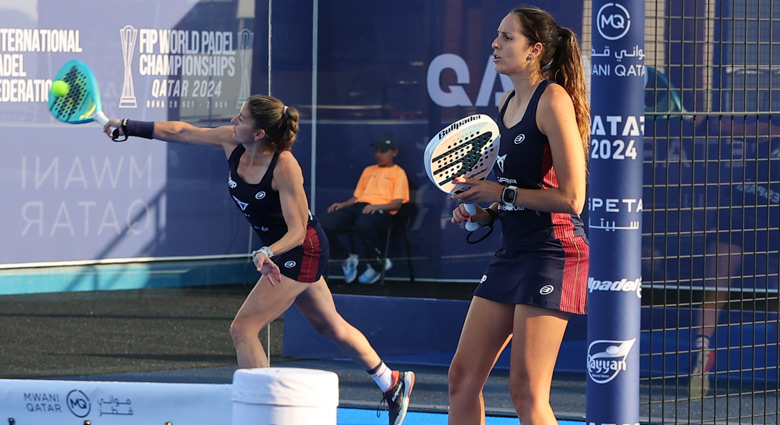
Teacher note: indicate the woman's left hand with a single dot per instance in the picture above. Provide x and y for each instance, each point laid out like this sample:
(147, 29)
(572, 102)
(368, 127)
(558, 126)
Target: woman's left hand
(479, 191)
(268, 268)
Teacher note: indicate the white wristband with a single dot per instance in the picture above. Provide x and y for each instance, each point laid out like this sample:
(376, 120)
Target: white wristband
(265, 250)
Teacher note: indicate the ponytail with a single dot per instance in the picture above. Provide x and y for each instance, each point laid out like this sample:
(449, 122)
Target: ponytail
(566, 69)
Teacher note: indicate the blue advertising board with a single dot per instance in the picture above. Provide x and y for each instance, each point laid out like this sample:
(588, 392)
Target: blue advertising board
(615, 209)
(74, 195)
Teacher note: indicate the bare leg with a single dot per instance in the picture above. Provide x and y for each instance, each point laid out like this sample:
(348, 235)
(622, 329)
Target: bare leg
(721, 267)
(316, 304)
(263, 304)
(538, 333)
(487, 330)
(723, 262)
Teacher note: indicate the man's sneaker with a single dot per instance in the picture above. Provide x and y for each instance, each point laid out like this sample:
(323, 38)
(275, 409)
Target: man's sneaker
(397, 398)
(349, 266)
(700, 373)
(371, 276)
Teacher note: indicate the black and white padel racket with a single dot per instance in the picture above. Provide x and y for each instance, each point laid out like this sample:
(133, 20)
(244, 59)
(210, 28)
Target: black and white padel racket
(465, 148)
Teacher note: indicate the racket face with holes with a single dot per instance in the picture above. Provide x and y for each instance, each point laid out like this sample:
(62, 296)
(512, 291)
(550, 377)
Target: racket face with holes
(82, 102)
(466, 148)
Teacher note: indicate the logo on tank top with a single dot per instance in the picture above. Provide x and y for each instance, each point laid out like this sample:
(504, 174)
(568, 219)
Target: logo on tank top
(290, 264)
(519, 139)
(240, 204)
(260, 195)
(484, 278)
(500, 162)
(231, 183)
(546, 290)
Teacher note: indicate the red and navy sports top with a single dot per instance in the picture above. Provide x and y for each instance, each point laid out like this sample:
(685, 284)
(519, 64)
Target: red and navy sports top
(525, 160)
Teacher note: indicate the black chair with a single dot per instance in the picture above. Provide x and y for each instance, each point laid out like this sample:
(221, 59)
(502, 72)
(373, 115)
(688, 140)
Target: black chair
(402, 222)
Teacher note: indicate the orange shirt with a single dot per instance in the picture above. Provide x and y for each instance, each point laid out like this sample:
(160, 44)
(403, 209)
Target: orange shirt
(380, 185)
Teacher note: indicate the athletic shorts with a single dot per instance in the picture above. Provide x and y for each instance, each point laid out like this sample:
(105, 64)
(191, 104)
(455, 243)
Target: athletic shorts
(551, 275)
(306, 263)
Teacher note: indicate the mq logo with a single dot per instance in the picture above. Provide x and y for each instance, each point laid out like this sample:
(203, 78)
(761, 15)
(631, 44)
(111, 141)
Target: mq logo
(613, 21)
(78, 403)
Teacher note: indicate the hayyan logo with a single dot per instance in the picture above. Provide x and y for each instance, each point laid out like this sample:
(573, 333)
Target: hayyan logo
(260, 195)
(607, 358)
(519, 139)
(290, 264)
(547, 290)
(613, 21)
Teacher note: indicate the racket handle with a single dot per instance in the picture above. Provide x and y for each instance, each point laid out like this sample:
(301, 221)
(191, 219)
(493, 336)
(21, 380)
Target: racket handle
(471, 225)
(101, 118)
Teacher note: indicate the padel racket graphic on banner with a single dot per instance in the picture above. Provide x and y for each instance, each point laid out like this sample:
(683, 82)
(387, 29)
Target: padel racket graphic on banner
(75, 97)
(466, 148)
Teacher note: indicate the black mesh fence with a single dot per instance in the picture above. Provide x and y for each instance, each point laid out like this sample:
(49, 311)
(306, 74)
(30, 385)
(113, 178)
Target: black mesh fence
(711, 224)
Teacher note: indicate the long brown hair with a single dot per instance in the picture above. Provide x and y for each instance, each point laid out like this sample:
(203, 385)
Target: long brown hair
(279, 121)
(560, 61)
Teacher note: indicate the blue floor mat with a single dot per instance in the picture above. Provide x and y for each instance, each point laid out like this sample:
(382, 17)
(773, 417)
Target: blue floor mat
(368, 417)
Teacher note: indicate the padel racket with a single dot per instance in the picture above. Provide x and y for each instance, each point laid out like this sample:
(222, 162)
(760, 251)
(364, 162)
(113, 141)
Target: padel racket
(81, 103)
(465, 148)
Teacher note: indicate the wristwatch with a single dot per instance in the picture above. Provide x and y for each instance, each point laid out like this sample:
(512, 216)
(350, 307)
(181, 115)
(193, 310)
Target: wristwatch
(508, 195)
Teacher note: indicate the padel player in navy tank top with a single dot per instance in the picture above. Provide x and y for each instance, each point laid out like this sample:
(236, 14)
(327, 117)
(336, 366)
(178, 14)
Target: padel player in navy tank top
(538, 276)
(543, 258)
(266, 183)
(261, 206)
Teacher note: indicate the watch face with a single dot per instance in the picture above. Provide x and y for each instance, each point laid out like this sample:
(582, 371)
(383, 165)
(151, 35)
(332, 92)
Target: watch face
(508, 195)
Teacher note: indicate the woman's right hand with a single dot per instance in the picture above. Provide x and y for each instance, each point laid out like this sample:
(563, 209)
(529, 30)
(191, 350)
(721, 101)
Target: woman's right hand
(113, 125)
(334, 207)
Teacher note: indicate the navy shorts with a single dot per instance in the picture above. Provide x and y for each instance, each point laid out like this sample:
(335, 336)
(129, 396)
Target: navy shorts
(306, 263)
(552, 275)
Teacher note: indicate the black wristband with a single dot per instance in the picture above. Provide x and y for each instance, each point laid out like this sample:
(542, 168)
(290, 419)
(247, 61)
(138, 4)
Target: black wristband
(143, 129)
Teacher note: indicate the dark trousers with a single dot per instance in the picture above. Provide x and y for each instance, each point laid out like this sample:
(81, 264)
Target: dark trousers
(371, 228)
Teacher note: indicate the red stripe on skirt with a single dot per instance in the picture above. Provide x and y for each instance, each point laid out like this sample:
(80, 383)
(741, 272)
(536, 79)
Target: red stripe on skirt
(311, 256)
(574, 289)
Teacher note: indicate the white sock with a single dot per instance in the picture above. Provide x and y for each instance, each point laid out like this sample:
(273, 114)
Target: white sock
(383, 376)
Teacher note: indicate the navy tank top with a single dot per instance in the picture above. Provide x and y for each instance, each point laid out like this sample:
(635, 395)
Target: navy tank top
(259, 203)
(525, 160)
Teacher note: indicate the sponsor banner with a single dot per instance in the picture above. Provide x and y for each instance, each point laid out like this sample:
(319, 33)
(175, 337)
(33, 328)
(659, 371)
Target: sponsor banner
(70, 193)
(114, 403)
(614, 212)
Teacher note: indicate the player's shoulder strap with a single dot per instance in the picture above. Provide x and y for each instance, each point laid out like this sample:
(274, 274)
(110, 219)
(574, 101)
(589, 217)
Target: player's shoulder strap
(504, 106)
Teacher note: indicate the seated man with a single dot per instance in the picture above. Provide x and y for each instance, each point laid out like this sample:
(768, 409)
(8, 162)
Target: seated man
(379, 194)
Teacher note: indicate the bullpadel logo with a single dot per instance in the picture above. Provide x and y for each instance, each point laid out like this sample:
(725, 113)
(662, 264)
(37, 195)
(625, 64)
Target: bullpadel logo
(607, 358)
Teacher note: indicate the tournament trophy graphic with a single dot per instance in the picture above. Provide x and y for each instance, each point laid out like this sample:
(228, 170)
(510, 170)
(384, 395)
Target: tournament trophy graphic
(128, 35)
(245, 39)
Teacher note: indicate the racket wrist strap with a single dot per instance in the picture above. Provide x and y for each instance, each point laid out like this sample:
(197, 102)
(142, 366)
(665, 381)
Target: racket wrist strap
(143, 129)
(493, 215)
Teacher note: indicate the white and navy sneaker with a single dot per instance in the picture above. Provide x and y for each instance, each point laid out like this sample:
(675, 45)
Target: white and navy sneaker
(397, 398)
